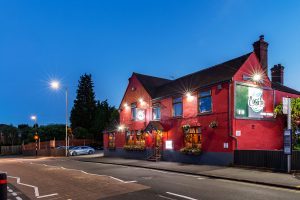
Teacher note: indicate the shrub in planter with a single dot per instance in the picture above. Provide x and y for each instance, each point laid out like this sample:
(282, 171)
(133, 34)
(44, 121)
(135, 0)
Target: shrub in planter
(131, 147)
(190, 151)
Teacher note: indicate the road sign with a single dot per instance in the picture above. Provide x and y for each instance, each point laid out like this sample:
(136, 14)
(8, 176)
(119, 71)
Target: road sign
(287, 142)
(285, 102)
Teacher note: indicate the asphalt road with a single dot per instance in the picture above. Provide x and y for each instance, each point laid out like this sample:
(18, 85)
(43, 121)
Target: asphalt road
(66, 178)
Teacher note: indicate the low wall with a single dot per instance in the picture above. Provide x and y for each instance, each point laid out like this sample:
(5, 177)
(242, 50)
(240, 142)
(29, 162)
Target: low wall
(205, 158)
(45, 152)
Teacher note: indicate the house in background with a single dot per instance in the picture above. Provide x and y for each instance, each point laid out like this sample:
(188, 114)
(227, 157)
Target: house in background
(204, 116)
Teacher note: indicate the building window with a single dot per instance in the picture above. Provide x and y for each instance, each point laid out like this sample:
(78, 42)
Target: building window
(133, 111)
(111, 140)
(177, 107)
(205, 104)
(129, 137)
(156, 111)
(193, 138)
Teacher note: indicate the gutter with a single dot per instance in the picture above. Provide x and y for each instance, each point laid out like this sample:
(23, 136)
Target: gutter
(230, 116)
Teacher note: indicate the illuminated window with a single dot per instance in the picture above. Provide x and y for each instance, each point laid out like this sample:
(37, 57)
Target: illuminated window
(205, 103)
(177, 107)
(193, 138)
(156, 111)
(111, 140)
(133, 111)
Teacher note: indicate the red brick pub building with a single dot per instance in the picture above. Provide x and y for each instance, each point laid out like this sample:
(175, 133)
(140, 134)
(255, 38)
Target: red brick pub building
(204, 116)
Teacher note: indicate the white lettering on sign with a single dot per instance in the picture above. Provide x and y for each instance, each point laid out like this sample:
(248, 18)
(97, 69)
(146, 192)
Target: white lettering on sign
(255, 100)
(238, 133)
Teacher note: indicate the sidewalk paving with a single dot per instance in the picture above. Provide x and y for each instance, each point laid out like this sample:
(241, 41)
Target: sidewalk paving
(282, 180)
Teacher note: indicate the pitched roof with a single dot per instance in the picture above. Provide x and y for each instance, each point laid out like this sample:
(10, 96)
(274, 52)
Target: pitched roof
(151, 83)
(280, 87)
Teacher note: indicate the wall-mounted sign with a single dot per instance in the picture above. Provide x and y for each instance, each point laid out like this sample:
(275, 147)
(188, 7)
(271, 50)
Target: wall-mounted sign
(140, 114)
(250, 102)
(255, 100)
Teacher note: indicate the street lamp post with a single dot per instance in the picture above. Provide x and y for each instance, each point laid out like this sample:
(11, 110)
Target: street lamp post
(56, 85)
(35, 137)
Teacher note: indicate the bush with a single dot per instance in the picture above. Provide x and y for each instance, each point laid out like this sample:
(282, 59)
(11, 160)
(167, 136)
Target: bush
(134, 147)
(190, 150)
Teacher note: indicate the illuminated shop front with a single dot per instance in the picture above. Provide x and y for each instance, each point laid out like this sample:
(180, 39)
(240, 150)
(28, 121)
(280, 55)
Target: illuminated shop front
(204, 116)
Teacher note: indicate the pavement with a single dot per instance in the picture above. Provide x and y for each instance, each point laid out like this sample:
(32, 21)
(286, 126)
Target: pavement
(274, 179)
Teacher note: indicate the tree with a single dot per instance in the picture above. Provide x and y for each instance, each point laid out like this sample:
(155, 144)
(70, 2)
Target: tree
(295, 115)
(105, 115)
(84, 109)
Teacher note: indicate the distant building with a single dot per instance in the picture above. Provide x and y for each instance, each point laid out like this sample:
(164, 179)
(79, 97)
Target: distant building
(204, 116)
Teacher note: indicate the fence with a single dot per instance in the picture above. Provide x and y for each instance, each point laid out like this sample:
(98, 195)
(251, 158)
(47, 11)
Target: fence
(11, 150)
(46, 144)
(274, 160)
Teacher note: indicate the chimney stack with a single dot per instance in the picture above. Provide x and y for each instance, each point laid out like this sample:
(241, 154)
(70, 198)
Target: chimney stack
(261, 50)
(277, 74)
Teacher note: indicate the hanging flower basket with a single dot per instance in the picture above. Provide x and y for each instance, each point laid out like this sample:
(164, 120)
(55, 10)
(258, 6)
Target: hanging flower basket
(213, 124)
(186, 128)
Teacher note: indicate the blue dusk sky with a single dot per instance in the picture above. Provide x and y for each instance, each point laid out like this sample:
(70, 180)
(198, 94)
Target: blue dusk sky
(44, 40)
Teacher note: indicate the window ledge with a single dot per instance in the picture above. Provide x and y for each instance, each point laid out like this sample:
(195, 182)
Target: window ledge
(205, 113)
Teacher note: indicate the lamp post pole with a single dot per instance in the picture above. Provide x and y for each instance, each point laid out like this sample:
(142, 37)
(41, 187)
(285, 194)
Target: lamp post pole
(67, 122)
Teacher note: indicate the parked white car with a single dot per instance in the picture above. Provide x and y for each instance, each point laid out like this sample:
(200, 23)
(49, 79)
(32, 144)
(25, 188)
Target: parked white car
(81, 150)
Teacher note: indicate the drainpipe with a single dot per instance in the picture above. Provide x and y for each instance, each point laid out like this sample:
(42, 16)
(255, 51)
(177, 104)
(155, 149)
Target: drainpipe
(230, 116)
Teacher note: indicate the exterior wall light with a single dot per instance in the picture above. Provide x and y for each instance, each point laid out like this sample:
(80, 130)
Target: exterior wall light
(189, 96)
(256, 77)
(121, 128)
(142, 102)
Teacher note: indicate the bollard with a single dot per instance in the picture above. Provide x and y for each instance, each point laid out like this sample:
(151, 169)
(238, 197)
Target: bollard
(3, 186)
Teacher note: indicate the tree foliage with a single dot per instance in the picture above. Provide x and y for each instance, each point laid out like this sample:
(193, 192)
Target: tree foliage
(89, 117)
(84, 109)
(295, 118)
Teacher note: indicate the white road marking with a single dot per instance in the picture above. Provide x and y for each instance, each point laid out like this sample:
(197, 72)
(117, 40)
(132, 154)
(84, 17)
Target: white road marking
(164, 197)
(182, 196)
(36, 189)
(19, 198)
(82, 171)
(201, 178)
(14, 194)
(9, 190)
(48, 195)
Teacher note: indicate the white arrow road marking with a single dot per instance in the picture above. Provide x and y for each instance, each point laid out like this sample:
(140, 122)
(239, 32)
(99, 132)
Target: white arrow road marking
(36, 189)
(182, 196)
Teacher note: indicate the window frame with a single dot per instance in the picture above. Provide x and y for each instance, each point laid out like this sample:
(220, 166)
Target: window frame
(133, 106)
(154, 107)
(205, 96)
(174, 103)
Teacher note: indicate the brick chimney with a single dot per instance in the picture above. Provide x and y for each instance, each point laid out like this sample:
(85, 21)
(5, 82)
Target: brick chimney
(261, 50)
(277, 73)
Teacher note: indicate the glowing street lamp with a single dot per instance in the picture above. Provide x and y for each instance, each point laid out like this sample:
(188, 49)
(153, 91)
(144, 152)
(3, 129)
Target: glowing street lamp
(56, 86)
